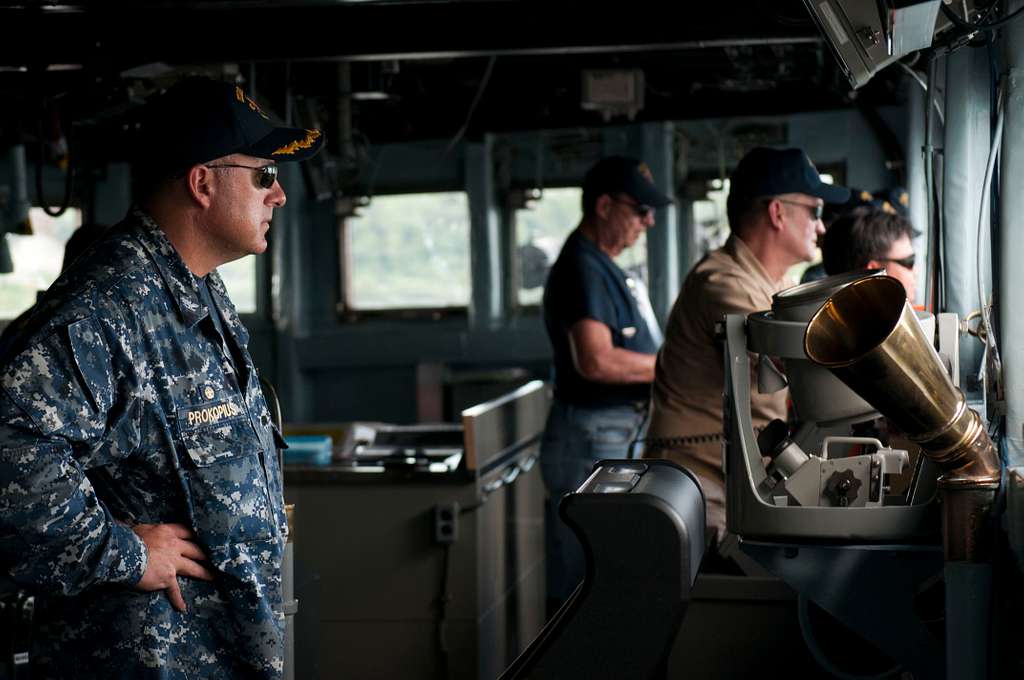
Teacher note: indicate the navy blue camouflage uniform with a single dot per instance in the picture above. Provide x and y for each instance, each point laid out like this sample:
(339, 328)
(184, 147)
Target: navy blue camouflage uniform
(126, 405)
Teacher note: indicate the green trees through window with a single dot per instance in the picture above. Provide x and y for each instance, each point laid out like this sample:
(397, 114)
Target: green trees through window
(37, 259)
(408, 251)
(240, 279)
(541, 229)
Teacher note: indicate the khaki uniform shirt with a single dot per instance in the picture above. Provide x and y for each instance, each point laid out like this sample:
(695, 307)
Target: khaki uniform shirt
(689, 378)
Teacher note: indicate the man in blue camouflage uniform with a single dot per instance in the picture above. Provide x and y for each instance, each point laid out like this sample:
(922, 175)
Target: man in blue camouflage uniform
(140, 495)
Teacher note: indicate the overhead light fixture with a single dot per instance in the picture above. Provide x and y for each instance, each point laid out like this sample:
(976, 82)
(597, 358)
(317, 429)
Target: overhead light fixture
(154, 69)
(370, 96)
(613, 92)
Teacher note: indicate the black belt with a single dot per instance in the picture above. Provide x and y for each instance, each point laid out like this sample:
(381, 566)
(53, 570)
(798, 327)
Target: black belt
(638, 406)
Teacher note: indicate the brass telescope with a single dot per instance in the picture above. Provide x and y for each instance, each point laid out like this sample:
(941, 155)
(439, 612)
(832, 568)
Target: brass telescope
(869, 337)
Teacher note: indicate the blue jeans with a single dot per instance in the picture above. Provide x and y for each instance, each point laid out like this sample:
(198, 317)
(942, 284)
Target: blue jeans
(574, 439)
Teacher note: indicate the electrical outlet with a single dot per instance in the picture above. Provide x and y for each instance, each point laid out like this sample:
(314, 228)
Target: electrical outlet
(446, 523)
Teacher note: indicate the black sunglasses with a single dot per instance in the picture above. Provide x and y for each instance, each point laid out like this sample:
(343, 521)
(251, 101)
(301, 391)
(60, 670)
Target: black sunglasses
(907, 261)
(815, 210)
(641, 210)
(266, 175)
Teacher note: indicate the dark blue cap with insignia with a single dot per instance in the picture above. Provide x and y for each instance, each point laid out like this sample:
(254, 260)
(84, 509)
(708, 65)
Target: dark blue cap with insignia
(768, 172)
(198, 119)
(893, 199)
(623, 175)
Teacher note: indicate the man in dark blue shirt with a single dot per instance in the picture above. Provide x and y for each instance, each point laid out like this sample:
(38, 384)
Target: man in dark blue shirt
(604, 339)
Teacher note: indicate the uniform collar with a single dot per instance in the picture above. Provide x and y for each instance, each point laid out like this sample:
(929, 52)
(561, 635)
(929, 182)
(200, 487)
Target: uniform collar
(182, 282)
(743, 255)
(227, 308)
(591, 246)
(176, 275)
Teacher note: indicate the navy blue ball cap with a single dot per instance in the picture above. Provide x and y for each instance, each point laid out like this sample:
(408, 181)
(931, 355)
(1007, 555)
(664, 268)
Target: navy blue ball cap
(623, 175)
(765, 172)
(198, 119)
(894, 199)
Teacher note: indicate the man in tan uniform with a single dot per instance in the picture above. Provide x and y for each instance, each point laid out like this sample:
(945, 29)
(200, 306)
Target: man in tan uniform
(774, 209)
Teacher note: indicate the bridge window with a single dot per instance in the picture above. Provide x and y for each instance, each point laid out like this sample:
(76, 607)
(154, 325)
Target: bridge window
(407, 252)
(541, 227)
(240, 279)
(37, 259)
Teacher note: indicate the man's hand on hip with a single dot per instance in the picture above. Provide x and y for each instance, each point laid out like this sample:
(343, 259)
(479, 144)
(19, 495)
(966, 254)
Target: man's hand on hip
(172, 552)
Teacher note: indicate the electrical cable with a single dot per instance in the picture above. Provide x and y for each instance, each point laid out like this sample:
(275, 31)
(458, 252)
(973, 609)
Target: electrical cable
(986, 27)
(443, 600)
(927, 153)
(68, 174)
(931, 271)
(924, 86)
(940, 240)
(995, 214)
(472, 107)
(638, 437)
(988, 12)
(986, 192)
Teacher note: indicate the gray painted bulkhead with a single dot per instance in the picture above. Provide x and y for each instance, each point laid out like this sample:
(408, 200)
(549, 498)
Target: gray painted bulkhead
(1011, 284)
(966, 144)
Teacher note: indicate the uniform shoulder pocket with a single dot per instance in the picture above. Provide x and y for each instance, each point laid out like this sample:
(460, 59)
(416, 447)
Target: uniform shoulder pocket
(92, 359)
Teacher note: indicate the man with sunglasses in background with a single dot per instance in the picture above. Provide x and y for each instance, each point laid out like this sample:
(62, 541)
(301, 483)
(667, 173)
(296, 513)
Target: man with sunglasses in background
(604, 338)
(774, 208)
(142, 500)
(872, 238)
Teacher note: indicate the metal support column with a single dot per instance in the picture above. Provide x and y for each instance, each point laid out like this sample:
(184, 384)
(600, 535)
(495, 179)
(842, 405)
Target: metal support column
(663, 240)
(917, 210)
(967, 137)
(1011, 283)
(1011, 277)
(486, 246)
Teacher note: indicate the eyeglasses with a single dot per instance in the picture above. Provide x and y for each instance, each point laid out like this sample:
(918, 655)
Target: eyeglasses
(642, 211)
(907, 261)
(266, 175)
(815, 210)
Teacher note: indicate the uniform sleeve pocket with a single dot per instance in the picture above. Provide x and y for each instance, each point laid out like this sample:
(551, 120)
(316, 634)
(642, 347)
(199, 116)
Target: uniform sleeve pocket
(63, 382)
(92, 358)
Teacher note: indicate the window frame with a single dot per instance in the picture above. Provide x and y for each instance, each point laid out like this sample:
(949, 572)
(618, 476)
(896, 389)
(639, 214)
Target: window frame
(261, 284)
(73, 205)
(514, 278)
(343, 306)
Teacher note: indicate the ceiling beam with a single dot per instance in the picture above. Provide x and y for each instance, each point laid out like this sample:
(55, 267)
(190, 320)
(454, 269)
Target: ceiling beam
(218, 31)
